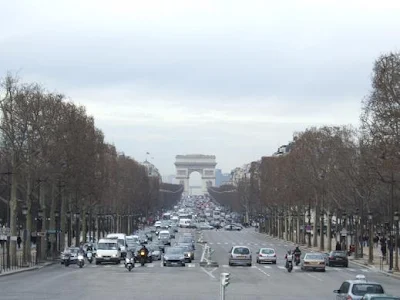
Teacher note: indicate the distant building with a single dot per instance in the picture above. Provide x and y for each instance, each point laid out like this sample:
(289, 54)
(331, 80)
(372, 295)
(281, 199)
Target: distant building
(284, 149)
(169, 179)
(152, 171)
(221, 178)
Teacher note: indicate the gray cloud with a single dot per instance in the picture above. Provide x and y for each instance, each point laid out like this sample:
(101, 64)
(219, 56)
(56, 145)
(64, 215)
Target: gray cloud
(227, 77)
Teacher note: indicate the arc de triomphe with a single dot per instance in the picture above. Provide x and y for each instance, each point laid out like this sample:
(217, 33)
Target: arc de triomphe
(204, 164)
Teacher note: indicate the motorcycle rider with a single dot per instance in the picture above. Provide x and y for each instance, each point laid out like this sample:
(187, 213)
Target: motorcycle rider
(146, 251)
(288, 257)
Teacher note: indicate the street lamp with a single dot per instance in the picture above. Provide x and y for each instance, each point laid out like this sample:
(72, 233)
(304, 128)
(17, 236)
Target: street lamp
(356, 233)
(371, 239)
(396, 220)
(309, 228)
(58, 240)
(329, 232)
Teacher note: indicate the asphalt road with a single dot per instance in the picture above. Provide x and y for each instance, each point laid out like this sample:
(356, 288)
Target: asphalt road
(191, 282)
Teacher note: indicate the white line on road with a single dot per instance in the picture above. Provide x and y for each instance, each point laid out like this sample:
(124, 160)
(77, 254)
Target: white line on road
(218, 243)
(351, 270)
(262, 271)
(209, 273)
(268, 267)
(312, 276)
(281, 267)
(226, 243)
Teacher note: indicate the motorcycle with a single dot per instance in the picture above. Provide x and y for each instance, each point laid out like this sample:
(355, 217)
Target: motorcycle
(143, 257)
(89, 256)
(81, 260)
(297, 259)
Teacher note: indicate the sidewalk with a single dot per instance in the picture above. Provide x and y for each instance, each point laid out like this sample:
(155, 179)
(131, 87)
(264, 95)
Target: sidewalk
(362, 262)
(37, 267)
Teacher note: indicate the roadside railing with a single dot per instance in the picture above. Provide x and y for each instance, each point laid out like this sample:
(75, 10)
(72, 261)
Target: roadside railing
(17, 262)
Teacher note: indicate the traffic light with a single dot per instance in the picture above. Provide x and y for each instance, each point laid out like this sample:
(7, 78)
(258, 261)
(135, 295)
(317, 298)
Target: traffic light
(225, 279)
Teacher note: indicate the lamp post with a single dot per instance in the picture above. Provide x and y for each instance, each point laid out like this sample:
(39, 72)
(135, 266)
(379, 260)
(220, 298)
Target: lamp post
(371, 240)
(356, 233)
(88, 226)
(56, 216)
(25, 237)
(396, 220)
(344, 216)
(38, 237)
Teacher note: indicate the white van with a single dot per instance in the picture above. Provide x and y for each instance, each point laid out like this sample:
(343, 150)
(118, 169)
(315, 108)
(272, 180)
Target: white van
(184, 223)
(121, 238)
(108, 250)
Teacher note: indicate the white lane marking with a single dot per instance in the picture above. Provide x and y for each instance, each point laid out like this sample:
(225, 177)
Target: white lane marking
(211, 243)
(203, 254)
(265, 273)
(218, 243)
(209, 273)
(191, 265)
(312, 276)
(364, 270)
(351, 270)
(267, 267)
(296, 268)
(226, 243)
(225, 266)
(281, 267)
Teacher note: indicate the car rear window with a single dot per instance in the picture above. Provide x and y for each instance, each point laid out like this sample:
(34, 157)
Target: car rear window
(340, 254)
(241, 250)
(267, 251)
(361, 289)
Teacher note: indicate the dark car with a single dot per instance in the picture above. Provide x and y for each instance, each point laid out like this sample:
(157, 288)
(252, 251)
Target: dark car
(337, 258)
(174, 256)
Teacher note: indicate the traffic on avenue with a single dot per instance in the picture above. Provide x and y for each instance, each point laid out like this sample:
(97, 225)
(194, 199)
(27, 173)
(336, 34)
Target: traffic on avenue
(198, 250)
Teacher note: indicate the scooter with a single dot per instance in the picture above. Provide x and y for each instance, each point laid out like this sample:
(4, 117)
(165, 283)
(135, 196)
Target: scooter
(289, 264)
(81, 260)
(89, 256)
(129, 263)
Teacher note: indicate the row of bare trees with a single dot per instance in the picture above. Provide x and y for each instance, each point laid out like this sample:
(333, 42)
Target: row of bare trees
(337, 178)
(59, 175)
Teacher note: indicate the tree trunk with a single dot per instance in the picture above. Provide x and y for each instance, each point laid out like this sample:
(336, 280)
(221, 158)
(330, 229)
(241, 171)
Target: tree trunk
(329, 233)
(315, 231)
(84, 225)
(63, 221)
(28, 223)
(13, 209)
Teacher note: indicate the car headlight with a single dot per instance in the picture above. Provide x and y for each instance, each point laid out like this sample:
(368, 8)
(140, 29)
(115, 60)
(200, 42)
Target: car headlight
(127, 260)
(98, 255)
(115, 255)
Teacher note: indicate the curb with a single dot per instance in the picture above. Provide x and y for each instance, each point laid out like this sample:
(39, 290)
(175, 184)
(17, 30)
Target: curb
(28, 269)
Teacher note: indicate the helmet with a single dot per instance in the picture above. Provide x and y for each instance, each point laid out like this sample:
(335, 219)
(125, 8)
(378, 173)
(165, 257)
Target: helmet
(289, 252)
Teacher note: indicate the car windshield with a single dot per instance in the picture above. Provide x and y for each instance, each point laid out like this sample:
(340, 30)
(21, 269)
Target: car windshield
(267, 251)
(241, 250)
(107, 246)
(174, 250)
(314, 256)
(360, 289)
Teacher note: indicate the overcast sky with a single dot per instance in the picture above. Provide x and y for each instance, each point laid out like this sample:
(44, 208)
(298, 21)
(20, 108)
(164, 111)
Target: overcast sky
(224, 77)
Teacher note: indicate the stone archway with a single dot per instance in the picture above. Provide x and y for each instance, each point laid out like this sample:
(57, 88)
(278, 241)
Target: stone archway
(204, 164)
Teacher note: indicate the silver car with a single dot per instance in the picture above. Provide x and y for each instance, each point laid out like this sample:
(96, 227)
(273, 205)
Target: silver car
(358, 288)
(265, 255)
(240, 255)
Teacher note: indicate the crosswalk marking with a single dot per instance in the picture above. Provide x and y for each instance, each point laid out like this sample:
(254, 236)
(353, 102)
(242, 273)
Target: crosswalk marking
(267, 267)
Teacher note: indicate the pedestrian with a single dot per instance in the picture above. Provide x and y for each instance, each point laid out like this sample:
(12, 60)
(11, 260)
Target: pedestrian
(383, 250)
(19, 242)
(338, 246)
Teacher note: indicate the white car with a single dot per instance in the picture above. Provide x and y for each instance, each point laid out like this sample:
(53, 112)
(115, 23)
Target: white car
(266, 255)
